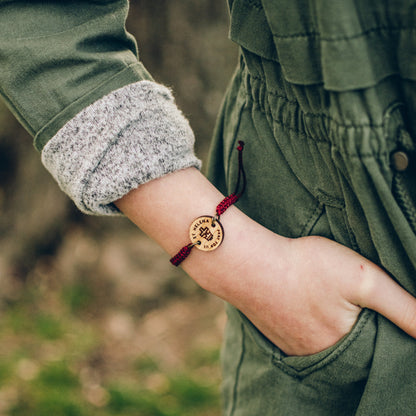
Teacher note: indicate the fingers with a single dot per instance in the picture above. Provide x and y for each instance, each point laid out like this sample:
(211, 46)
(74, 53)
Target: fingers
(381, 293)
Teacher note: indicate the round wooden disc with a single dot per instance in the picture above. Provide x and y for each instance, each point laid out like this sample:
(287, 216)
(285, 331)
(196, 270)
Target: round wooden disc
(206, 234)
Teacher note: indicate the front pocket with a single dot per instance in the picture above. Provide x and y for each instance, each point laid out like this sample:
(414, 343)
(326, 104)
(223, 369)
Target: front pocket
(265, 381)
(304, 365)
(274, 196)
(301, 366)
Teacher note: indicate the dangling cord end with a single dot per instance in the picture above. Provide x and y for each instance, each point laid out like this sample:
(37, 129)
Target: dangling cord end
(182, 255)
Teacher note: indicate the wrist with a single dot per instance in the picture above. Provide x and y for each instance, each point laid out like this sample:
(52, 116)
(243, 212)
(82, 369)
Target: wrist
(164, 209)
(236, 270)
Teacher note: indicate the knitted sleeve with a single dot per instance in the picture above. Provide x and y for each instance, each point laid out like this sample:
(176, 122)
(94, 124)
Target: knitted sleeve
(130, 136)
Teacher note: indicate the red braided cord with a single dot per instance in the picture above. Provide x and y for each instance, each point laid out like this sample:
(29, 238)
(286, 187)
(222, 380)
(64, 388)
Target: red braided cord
(226, 203)
(182, 255)
(221, 207)
(233, 198)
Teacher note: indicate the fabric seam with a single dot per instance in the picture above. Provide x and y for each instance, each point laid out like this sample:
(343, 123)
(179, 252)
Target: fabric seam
(313, 218)
(58, 33)
(345, 38)
(56, 116)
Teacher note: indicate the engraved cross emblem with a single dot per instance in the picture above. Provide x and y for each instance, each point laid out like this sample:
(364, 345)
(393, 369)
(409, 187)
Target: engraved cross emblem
(204, 232)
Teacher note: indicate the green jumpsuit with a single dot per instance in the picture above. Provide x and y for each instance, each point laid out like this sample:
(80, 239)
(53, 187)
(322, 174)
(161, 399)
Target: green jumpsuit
(324, 99)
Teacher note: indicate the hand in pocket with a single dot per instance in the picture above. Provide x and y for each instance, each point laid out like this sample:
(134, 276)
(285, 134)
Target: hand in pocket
(305, 297)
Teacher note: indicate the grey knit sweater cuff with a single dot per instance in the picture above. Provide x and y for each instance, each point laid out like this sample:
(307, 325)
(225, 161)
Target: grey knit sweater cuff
(129, 137)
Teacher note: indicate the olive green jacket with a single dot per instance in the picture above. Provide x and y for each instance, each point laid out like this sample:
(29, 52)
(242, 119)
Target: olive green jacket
(58, 57)
(324, 99)
(70, 73)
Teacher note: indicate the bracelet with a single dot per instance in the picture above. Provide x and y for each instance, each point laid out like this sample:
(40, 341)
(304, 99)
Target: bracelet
(206, 232)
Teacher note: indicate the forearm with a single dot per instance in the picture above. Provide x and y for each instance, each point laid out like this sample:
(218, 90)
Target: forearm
(164, 209)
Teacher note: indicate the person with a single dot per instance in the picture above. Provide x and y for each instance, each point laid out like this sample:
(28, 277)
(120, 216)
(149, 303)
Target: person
(318, 258)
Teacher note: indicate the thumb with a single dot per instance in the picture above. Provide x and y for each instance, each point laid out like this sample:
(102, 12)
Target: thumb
(380, 292)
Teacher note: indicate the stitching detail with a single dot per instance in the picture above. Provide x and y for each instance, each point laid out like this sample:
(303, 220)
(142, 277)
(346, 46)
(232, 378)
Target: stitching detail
(345, 38)
(338, 203)
(316, 213)
(89, 93)
(329, 200)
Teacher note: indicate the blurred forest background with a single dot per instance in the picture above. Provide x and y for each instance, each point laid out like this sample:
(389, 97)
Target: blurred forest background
(93, 318)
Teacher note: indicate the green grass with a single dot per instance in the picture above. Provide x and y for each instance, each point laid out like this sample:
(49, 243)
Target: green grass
(46, 344)
(183, 396)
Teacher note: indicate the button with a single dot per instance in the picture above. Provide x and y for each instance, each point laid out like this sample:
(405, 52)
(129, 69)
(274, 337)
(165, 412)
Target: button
(400, 160)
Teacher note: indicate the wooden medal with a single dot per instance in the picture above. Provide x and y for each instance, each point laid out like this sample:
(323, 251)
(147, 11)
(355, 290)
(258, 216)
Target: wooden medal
(206, 233)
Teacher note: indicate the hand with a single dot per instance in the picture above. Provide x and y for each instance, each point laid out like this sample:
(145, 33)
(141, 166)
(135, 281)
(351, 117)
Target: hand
(303, 294)
(311, 300)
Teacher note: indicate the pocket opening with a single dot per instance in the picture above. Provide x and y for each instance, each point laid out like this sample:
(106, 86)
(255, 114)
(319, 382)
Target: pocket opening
(302, 366)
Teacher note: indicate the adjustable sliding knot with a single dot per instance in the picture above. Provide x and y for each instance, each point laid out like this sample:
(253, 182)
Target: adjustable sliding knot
(204, 232)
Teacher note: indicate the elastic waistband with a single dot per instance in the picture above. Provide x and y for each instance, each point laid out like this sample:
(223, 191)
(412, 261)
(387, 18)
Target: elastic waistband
(359, 122)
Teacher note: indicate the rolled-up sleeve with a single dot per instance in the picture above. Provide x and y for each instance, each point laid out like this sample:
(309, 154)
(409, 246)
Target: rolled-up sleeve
(70, 73)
